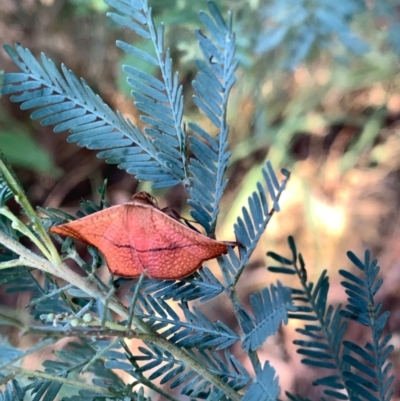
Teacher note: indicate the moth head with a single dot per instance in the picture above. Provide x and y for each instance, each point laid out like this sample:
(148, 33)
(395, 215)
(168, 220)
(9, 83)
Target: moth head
(144, 198)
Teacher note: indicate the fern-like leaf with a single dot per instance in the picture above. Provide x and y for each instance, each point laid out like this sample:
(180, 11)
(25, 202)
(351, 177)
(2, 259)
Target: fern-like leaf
(61, 99)
(162, 364)
(226, 366)
(324, 328)
(363, 373)
(367, 369)
(195, 332)
(166, 368)
(160, 100)
(212, 86)
(270, 307)
(203, 286)
(265, 387)
(255, 219)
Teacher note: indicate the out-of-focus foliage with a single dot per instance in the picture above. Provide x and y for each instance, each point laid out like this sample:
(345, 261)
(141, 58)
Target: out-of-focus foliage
(85, 7)
(22, 150)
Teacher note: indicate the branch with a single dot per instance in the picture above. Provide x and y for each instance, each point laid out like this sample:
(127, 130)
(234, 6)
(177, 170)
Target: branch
(62, 271)
(61, 380)
(19, 195)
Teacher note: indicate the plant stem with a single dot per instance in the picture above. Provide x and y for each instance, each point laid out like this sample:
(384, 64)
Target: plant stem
(41, 345)
(245, 257)
(62, 271)
(22, 228)
(11, 263)
(61, 380)
(19, 195)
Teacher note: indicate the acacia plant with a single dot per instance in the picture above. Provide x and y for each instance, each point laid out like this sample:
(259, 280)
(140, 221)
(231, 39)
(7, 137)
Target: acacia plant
(193, 355)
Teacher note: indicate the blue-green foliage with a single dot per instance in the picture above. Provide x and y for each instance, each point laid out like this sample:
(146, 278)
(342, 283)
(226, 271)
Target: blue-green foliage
(212, 86)
(307, 25)
(360, 372)
(13, 391)
(203, 285)
(159, 153)
(165, 367)
(195, 332)
(267, 383)
(366, 370)
(250, 227)
(269, 309)
(294, 31)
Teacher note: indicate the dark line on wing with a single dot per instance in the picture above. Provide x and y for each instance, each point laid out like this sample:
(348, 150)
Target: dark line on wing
(169, 248)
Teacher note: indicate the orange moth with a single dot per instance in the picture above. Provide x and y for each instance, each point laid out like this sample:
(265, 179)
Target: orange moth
(138, 237)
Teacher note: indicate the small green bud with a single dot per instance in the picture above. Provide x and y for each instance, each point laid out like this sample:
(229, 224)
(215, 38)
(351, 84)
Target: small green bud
(87, 318)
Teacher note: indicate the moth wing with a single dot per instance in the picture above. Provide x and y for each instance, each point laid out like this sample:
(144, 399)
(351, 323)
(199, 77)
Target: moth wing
(107, 231)
(91, 228)
(174, 250)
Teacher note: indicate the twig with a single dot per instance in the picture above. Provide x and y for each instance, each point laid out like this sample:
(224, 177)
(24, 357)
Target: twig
(62, 271)
(8, 174)
(61, 380)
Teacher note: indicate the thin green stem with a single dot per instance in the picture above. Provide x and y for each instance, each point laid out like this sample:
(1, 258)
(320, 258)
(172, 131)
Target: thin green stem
(245, 257)
(76, 257)
(62, 271)
(22, 228)
(134, 299)
(61, 380)
(11, 321)
(138, 375)
(19, 195)
(11, 263)
(49, 295)
(99, 354)
(154, 338)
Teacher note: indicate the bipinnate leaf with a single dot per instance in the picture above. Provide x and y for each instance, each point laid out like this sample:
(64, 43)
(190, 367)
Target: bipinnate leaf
(212, 86)
(256, 216)
(159, 100)
(265, 386)
(203, 286)
(62, 100)
(270, 307)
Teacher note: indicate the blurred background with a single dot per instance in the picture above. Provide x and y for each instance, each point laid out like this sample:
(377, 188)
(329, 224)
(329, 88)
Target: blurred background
(318, 93)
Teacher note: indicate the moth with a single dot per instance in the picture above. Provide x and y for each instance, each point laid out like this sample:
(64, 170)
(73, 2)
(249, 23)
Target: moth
(138, 237)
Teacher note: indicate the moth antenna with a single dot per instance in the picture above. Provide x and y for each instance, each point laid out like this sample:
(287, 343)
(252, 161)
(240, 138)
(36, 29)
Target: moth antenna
(174, 214)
